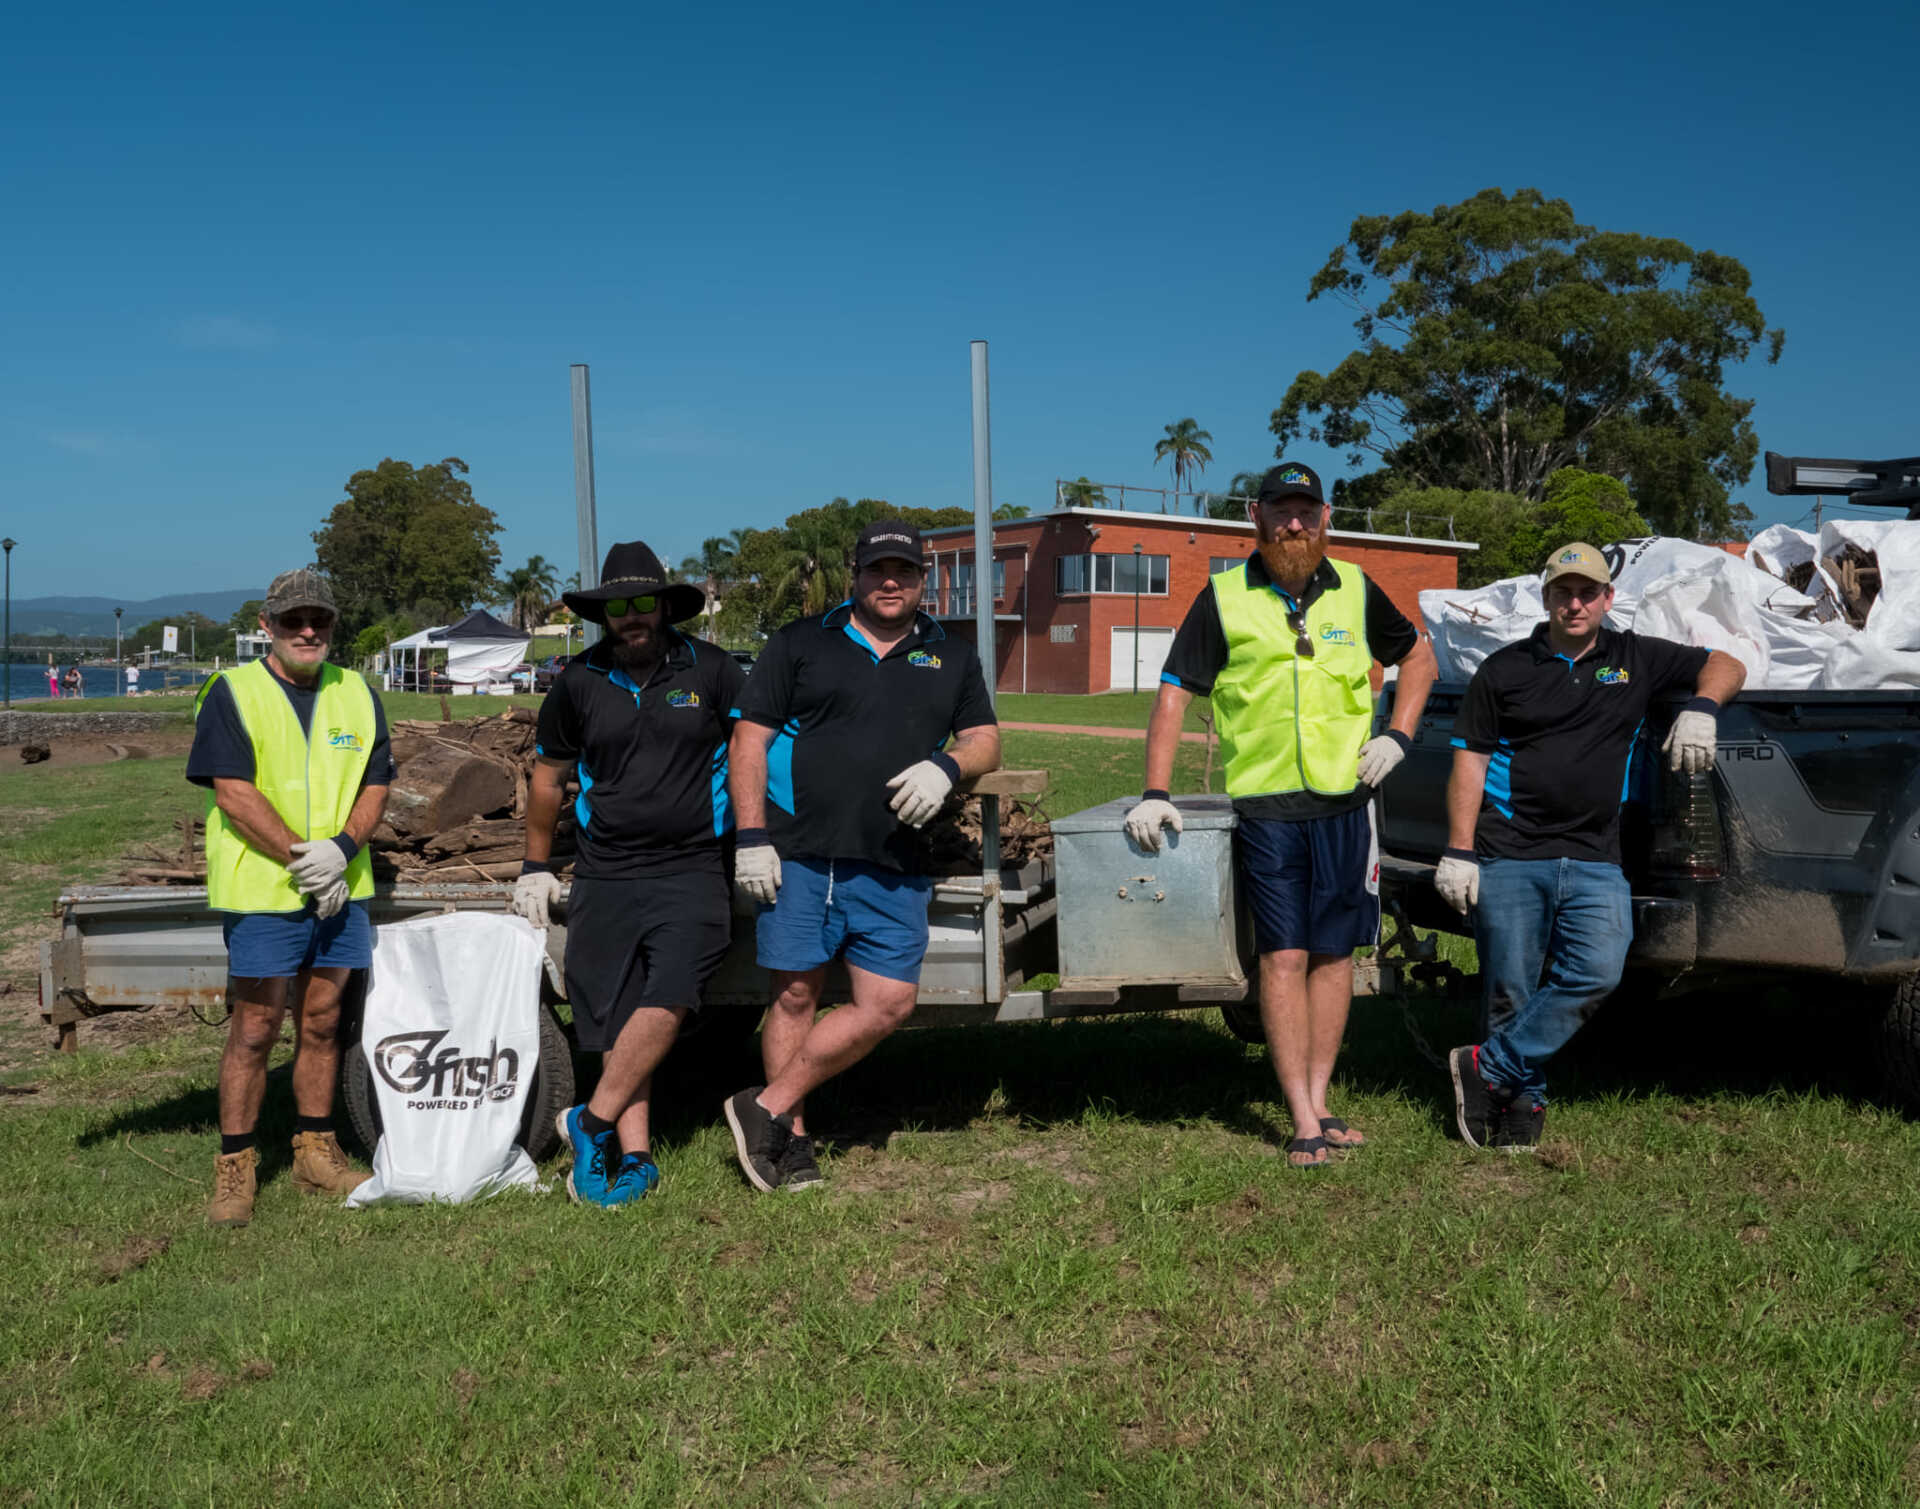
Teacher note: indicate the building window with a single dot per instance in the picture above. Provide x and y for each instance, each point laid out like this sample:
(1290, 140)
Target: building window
(1062, 633)
(961, 581)
(1110, 574)
(1221, 563)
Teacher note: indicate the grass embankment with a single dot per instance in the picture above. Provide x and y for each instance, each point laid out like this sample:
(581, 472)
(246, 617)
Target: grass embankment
(1108, 710)
(1053, 1264)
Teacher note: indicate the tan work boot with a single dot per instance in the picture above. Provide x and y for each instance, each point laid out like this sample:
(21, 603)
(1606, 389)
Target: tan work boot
(320, 1168)
(232, 1202)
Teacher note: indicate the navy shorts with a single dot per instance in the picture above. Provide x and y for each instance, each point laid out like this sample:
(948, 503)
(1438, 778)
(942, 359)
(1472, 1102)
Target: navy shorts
(1311, 884)
(280, 945)
(874, 918)
(651, 940)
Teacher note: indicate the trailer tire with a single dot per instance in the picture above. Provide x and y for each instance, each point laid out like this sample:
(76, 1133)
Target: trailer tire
(1900, 1039)
(1243, 1021)
(550, 1092)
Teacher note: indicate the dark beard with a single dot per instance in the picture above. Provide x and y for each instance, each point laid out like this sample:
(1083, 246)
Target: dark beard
(634, 657)
(1293, 560)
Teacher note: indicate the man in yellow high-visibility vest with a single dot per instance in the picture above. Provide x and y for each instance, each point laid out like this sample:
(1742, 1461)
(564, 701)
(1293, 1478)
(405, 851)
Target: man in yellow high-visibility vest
(1284, 644)
(295, 754)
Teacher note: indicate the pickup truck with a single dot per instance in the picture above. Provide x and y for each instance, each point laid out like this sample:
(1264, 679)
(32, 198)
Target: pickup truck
(1798, 855)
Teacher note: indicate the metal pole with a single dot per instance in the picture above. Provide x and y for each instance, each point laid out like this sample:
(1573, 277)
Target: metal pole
(983, 594)
(8, 671)
(117, 666)
(583, 494)
(1136, 616)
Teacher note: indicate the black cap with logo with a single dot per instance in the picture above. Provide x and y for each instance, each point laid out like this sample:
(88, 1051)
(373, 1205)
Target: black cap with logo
(1291, 479)
(888, 540)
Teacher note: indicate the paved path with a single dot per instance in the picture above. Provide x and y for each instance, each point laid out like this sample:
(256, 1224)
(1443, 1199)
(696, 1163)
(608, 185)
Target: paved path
(1098, 733)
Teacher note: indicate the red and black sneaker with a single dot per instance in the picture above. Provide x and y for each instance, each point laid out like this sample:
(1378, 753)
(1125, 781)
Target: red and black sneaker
(1478, 1108)
(1518, 1129)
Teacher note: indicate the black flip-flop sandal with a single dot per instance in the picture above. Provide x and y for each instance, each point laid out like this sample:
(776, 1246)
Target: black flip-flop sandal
(1335, 1124)
(1307, 1145)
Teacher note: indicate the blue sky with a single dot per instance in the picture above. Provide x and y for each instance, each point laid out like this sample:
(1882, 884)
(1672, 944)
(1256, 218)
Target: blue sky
(249, 250)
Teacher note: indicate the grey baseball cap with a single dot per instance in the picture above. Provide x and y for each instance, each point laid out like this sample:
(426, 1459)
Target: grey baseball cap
(302, 588)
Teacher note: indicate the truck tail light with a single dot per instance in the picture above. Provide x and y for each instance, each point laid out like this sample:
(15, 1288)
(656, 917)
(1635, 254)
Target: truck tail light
(1687, 840)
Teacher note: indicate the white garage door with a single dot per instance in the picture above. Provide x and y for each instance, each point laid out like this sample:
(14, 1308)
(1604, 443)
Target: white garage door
(1151, 653)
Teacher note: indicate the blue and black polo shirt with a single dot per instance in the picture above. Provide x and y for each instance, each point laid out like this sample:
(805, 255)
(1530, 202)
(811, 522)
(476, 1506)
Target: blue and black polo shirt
(651, 757)
(848, 721)
(1561, 734)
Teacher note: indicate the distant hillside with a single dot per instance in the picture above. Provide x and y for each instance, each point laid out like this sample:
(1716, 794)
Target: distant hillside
(94, 615)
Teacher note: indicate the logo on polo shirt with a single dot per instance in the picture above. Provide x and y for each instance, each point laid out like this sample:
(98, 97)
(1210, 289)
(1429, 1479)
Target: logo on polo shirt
(1336, 636)
(1613, 675)
(922, 658)
(344, 738)
(683, 699)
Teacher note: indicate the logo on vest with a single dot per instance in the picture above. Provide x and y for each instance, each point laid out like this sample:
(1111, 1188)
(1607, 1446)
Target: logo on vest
(683, 699)
(1612, 675)
(408, 1063)
(924, 660)
(344, 738)
(1336, 636)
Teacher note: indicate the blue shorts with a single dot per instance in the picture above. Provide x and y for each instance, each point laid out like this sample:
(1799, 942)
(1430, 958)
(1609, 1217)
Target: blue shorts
(1310, 884)
(874, 918)
(279, 945)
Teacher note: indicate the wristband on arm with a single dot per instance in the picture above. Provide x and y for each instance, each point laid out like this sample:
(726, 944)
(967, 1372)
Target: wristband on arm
(347, 846)
(750, 838)
(946, 762)
(535, 867)
(1466, 854)
(1406, 744)
(1702, 705)
(1155, 795)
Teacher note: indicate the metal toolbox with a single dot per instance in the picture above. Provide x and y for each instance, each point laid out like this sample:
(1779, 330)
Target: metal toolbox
(1124, 914)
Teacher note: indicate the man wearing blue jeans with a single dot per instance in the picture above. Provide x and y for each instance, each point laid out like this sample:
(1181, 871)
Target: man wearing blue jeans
(1542, 748)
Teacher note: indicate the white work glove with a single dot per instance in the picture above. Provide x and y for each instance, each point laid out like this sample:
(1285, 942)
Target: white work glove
(534, 894)
(329, 901)
(1146, 820)
(919, 791)
(316, 865)
(1380, 757)
(756, 870)
(1458, 880)
(1693, 743)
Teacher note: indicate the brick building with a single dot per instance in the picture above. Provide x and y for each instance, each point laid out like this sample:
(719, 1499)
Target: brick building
(1063, 588)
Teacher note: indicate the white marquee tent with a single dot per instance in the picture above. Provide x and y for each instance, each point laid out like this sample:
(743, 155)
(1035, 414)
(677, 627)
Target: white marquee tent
(481, 652)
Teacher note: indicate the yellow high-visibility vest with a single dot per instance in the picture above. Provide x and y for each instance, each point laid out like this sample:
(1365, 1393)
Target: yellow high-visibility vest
(1289, 722)
(312, 782)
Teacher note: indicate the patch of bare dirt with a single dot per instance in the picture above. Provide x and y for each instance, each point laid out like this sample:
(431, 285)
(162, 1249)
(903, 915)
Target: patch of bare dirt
(966, 1201)
(135, 1255)
(1060, 1161)
(103, 749)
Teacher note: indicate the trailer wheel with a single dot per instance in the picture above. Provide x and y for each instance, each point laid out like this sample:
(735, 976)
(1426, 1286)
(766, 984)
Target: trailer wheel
(550, 1093)
(1900, 1039)
(1243, 1021)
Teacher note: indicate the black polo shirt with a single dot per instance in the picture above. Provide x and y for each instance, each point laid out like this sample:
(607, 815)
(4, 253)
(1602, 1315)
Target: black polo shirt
(651, 757)
(849, 721)
(1561, 734)
(1199, 654)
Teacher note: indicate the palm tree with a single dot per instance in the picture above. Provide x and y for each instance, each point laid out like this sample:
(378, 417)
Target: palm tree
(1080, 493)
(816, 566)
(1011, 511)
(713, 565)
(1232, 504)
(1186, 445)
(529, 589)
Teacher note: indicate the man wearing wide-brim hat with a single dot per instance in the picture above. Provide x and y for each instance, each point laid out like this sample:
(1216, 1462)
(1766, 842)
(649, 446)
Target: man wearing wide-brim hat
(643, 717)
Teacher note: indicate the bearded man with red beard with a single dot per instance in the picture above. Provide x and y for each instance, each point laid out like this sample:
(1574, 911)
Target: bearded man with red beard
(1284, 645)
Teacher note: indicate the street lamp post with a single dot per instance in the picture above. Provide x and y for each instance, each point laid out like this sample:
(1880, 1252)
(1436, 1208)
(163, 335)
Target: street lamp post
(6, 671)
(116, 640)
(1136, 615)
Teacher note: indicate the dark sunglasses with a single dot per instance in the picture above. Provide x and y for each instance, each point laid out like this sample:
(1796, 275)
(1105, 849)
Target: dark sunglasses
(1297, 621)
(293, 623)
(620, 607)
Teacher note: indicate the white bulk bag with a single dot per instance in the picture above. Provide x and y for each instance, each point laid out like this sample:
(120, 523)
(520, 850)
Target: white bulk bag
(451, 1032)
(1886, 653)
(1469, 624)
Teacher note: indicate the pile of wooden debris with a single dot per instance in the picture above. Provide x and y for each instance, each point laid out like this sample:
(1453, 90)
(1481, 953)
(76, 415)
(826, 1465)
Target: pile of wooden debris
(1856, 572)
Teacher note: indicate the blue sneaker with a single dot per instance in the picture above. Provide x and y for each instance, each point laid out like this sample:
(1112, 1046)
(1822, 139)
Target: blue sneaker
(587, 1179)
(636, 1177)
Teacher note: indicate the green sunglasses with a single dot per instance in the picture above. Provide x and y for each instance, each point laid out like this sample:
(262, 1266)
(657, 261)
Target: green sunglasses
(619, 607)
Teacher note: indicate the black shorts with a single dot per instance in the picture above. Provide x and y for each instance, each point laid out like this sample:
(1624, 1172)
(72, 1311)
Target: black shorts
(653, 941)
(1311, 883)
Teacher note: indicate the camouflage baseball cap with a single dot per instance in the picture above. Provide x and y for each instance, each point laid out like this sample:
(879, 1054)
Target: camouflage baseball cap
(1577, 559)
(304, 588)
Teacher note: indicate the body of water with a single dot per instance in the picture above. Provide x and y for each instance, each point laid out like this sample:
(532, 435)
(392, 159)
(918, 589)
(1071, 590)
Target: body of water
(28, 683)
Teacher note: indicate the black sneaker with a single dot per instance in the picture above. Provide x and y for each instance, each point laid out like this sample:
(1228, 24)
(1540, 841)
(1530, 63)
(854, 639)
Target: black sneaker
(759, 1138)
(1477, 1109)
(798, 1170)
(1518, 1128)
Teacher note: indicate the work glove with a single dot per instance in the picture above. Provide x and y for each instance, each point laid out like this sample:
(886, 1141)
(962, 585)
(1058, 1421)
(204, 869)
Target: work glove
(534, 894)
(317, 864)
(1145, 821)
(1458, 880)
(756, 869)
(1380, 757)
(1694, 740)
(919, 790)
(330, 900)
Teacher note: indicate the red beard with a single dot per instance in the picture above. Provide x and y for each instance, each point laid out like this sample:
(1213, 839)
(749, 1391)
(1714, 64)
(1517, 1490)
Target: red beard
(1293, 560)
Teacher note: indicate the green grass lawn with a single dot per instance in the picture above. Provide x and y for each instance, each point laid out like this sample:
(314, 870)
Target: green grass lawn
(1055, 1264)
(1109, 710)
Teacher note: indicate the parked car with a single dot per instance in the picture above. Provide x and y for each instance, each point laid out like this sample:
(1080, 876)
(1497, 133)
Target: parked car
(547, 671)
(744, 659)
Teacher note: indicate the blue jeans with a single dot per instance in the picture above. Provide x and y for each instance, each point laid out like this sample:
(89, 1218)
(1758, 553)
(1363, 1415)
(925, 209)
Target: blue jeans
(1569, 920)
